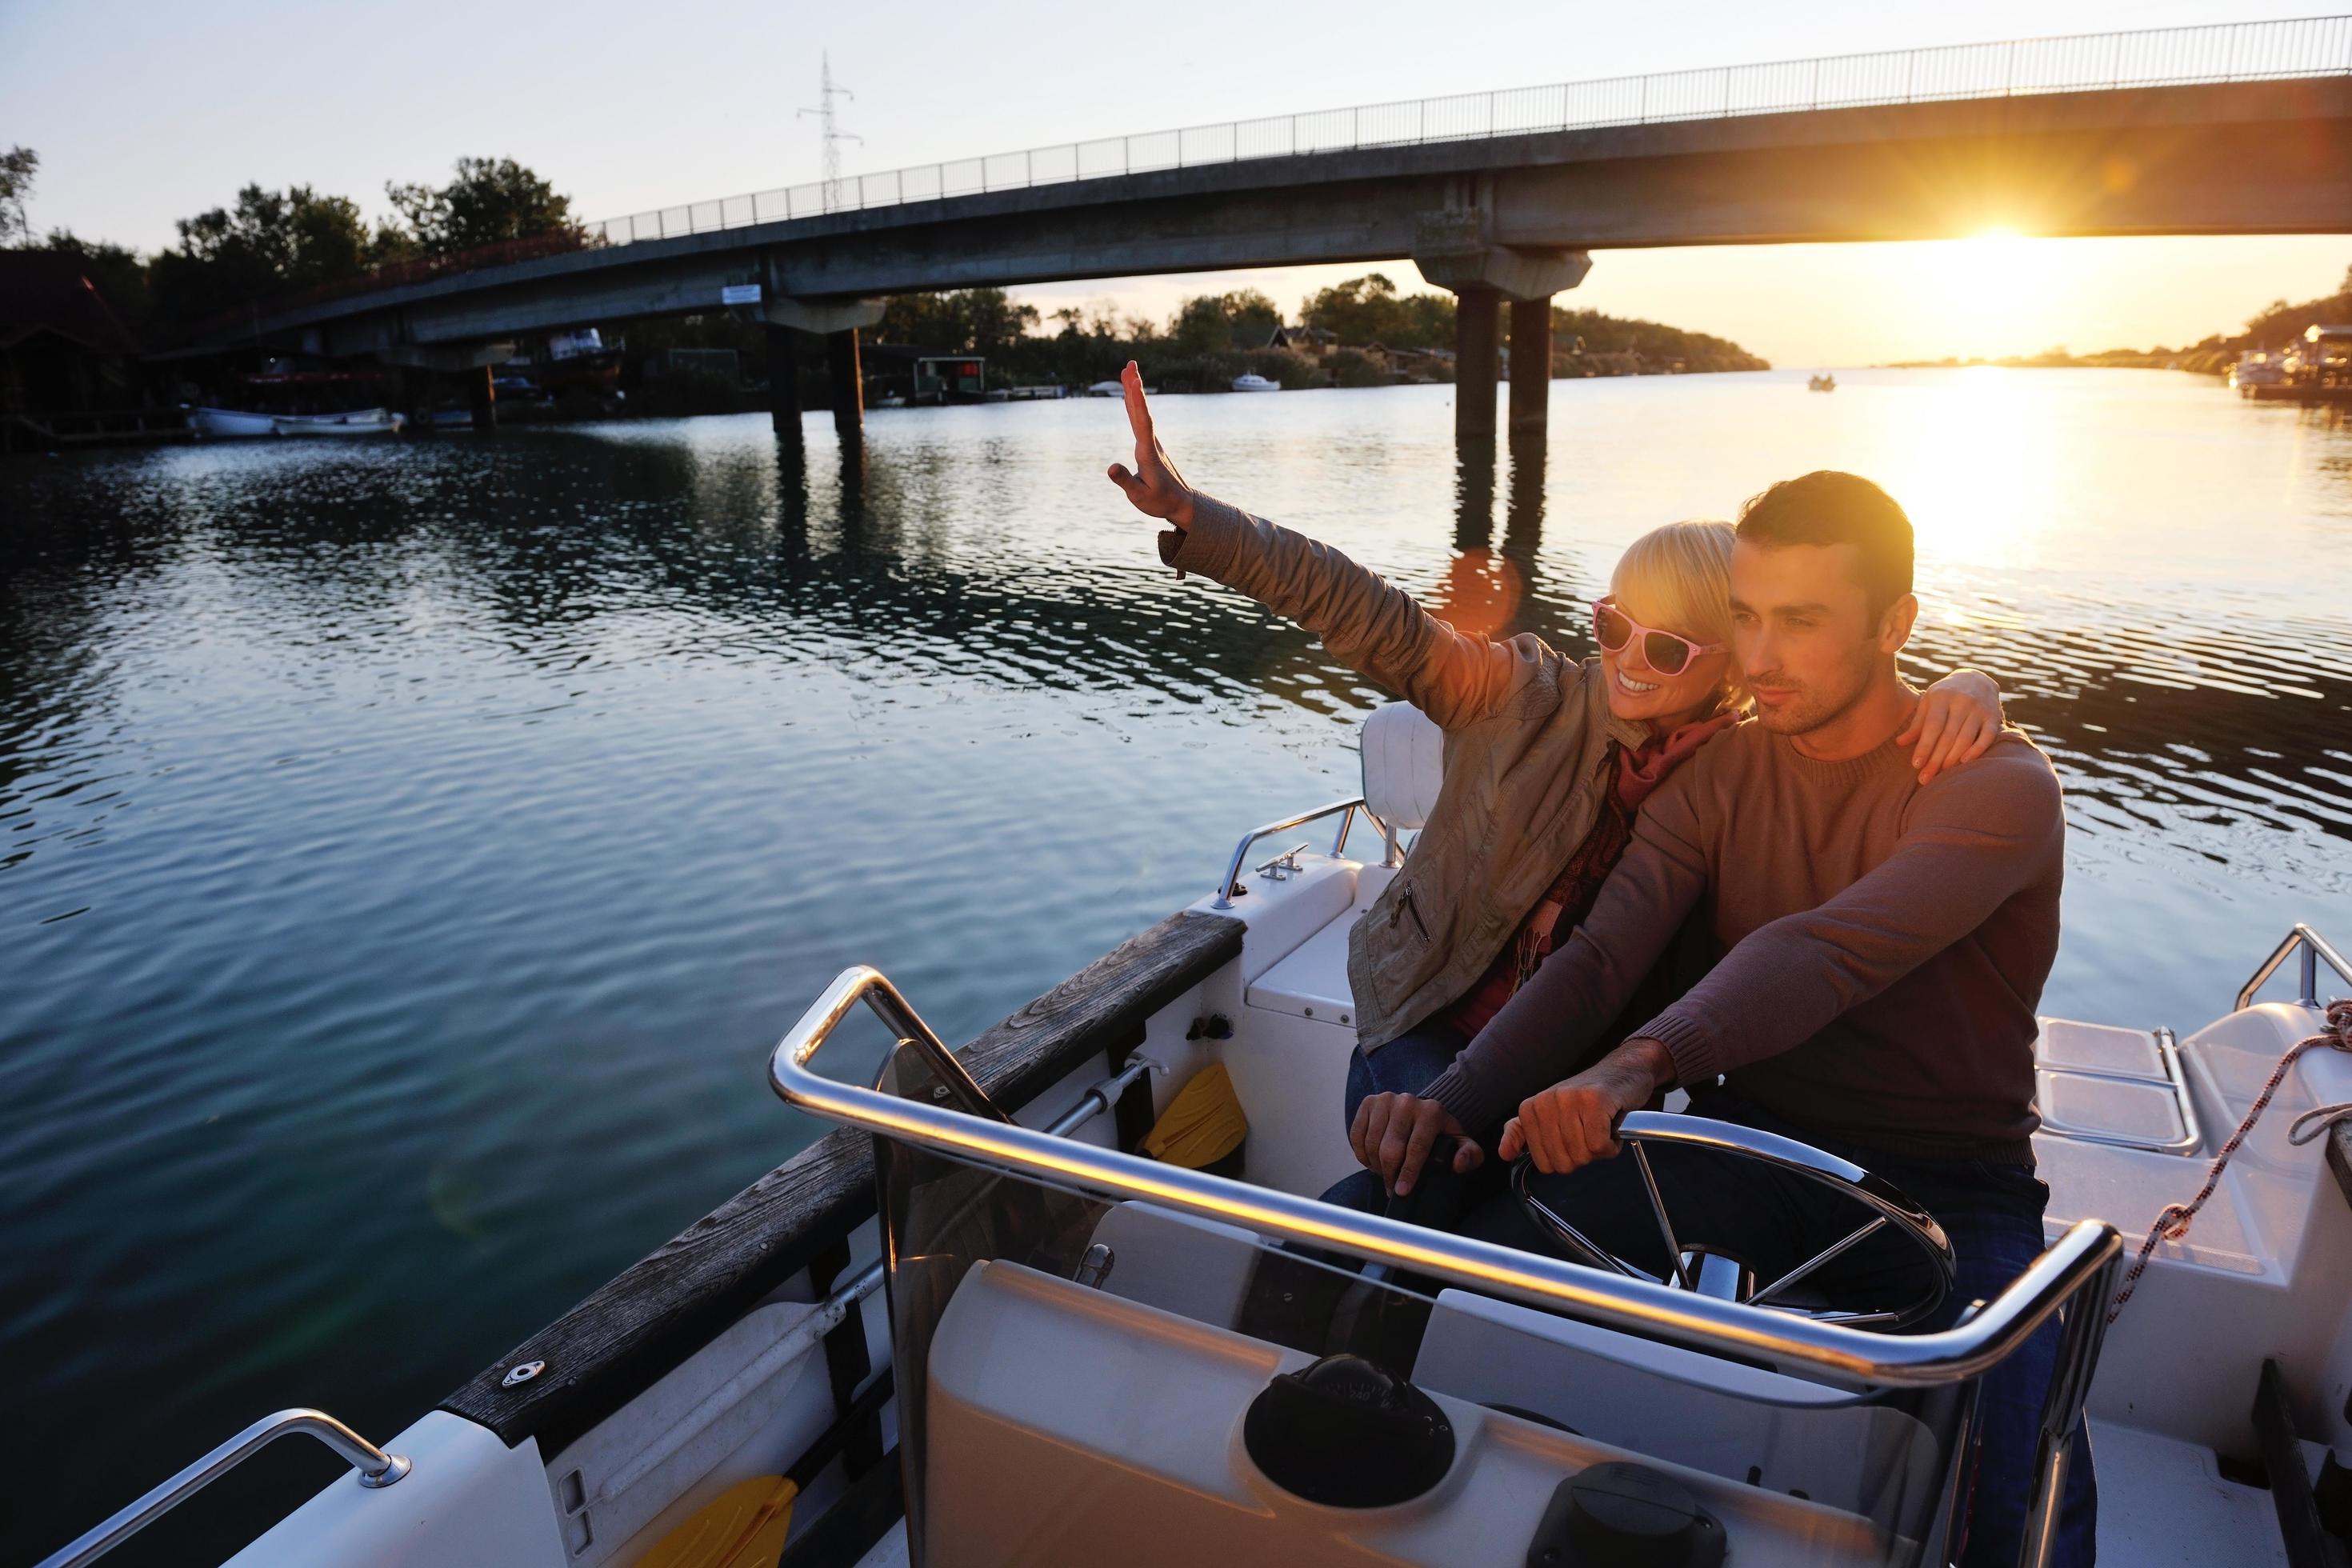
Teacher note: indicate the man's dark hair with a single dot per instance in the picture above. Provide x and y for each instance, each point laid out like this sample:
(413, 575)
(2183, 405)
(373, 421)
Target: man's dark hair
(1826, 507)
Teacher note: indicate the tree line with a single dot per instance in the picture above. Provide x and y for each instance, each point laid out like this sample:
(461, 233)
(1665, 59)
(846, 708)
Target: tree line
(267, 244)
(1212, 338)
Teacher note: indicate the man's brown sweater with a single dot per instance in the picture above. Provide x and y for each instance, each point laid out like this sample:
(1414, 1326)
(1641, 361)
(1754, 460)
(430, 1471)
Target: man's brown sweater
(1883, 947)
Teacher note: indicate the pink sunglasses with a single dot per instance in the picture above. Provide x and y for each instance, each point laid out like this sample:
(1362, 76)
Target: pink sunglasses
(1668, 653)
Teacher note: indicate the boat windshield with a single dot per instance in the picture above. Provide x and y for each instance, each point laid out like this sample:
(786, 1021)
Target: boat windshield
(1083, 1378)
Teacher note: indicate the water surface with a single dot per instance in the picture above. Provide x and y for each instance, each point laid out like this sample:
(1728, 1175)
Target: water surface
(408, 852)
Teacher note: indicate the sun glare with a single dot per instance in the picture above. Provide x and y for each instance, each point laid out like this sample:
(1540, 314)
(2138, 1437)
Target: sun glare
(1987, 290)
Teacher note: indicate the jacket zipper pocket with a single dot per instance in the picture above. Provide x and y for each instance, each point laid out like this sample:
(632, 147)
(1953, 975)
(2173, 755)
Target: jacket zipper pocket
(1406, 906)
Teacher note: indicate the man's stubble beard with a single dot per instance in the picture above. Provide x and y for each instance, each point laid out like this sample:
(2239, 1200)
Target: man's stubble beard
(1813, 709)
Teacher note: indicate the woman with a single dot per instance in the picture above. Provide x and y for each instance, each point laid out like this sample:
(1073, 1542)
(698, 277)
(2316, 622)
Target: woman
(1547, 760)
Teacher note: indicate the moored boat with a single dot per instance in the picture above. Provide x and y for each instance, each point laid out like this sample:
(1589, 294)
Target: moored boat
(1824, 382)
(231, 422)
(357, 422)
(1252, 381)
(979, 1308)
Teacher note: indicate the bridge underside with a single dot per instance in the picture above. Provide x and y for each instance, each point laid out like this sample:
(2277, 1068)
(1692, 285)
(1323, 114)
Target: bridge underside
(1491, 219)
(2244, 158)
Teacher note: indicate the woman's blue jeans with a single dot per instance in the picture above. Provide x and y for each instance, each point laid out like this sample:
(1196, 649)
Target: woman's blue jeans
(1406, 1064)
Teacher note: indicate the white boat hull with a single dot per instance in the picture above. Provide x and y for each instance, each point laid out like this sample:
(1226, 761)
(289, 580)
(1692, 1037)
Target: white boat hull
(228, 422)
(358, 422)
(231, 422)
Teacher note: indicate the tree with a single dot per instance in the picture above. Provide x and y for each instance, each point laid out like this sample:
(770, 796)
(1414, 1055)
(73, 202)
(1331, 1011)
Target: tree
(491, 200)
(270, 243)
(17, 167)
(119, 275)
(1219, 324)
(1369, 310)
(985, 321)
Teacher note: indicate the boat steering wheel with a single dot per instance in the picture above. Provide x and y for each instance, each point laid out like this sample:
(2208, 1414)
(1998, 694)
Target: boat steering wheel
(1721, 1274)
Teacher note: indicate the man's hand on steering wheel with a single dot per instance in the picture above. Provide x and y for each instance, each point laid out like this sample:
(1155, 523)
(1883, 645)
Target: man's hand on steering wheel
(1154, 486)
(1392, 1134)
(1574, 1122)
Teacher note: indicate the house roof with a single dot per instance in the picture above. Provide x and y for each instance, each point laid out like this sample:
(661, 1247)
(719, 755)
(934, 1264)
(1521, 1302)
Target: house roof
(46, 291)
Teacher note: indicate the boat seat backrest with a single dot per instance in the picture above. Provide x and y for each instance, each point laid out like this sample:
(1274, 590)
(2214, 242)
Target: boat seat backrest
(1405, 763)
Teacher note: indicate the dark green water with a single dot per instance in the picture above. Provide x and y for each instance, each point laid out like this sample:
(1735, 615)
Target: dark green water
(408, 852)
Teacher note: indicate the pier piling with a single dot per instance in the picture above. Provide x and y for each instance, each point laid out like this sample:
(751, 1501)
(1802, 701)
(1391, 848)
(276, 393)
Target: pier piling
(481, 391)
(1474, 359)
(848, 387)
(783, 380)
(1530, 368)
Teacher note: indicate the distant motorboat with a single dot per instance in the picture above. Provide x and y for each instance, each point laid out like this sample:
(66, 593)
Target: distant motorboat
(1105, 389)
(1252, 381)
(2255, 369)
(1822, 383)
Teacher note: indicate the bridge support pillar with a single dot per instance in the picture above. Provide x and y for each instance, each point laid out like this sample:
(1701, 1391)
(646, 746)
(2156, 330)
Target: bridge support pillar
(783, 380)
(1476, 356)
(1530, 368)
(847, 386)
(482, 391)
(1455, 250)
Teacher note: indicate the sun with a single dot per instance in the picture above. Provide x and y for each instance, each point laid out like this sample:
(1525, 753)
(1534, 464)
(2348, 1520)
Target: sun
(1985, 287)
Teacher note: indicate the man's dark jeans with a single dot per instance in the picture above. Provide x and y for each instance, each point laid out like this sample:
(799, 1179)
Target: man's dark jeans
(1991, 1213)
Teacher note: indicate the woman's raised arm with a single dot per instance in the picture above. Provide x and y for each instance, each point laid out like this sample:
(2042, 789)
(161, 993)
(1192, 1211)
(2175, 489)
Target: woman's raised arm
(1366, 623)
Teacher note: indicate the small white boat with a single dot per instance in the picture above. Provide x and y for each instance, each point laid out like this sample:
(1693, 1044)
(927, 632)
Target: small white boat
(231, 422)
(1047, 1350)
(357, 422)
(1252, 381)
(244, 423)
(1107, 389)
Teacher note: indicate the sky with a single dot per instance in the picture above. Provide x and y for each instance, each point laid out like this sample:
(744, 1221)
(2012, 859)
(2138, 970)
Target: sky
(629, 107)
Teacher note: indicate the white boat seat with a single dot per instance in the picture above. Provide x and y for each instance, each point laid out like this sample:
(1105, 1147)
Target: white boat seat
(1311, 979)
(2097, 1084)
(1404, 765)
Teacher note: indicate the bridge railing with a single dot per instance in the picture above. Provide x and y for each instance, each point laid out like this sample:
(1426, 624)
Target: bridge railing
(2167, 57)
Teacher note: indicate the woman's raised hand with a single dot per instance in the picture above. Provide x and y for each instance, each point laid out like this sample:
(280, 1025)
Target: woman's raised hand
(1154, 485)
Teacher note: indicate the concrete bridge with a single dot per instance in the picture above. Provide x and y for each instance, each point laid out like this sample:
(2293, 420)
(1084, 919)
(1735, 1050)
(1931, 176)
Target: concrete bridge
(1501, 197)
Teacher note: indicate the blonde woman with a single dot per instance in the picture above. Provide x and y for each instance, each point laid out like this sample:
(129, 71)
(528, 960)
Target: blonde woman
(1547, 759)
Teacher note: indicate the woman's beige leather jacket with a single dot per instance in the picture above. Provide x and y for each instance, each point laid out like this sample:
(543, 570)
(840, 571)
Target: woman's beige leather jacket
(1526, 734)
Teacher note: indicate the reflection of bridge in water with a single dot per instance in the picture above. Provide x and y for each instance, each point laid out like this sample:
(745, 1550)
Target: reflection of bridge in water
(1500, 197)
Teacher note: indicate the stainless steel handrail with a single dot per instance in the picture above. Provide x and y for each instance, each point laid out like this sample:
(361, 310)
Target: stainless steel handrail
(376, 1469)
(2078, 1264)
(2314, 948)
(1346, 810)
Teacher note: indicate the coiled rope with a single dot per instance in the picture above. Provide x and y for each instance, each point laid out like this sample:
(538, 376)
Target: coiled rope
(2172, 1221)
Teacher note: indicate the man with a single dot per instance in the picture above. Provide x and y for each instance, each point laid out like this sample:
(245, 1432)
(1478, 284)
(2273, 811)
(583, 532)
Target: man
(1884, 944)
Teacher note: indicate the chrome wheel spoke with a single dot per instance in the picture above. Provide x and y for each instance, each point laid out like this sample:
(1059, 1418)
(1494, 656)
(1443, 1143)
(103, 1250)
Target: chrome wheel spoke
(1666, 1225)
(1816, 1260)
